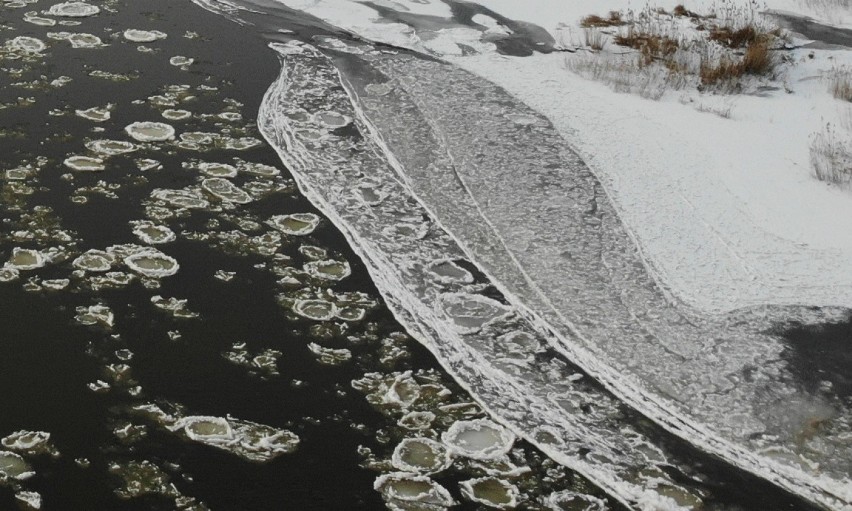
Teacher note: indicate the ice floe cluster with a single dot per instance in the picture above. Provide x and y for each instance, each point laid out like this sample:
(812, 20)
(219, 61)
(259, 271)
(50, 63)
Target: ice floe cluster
(249, 440)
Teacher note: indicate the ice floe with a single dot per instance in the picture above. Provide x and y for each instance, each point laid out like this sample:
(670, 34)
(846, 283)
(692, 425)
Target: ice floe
(420, 455)
(8, 274)
(93, 261)
(77, 39)
(151, 233)
(84, 163)
(73, 10)
(35, 19)
(491, 492)
(218, 169)
(148, 131)
(143, 36)
(24, 259)
(110, 280)
(26, 44)
(225, 190)
(230, 116)
(13, 466)
(470, 312)
(96, 114)
(95, 315)
(31, 443)
(479, 439)
(55, 284)
(110, 147)
(144, 164)
(249, 440)
(330, 356)
(142, 478)
(189, 199)
(150, 262)
(181, 61)
(264, 364)
(296, 224)
(332, 120)
(448, 272)
(175, 306)
(172, 114)
(29, 500)
(319, 310)
(258, 169)
(566, 499)
(417, 420)
(403, 491)
(328, 269)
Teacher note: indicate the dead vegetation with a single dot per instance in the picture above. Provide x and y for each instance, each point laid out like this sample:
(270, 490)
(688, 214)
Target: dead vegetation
(594, 39)
(682, 11)
(831, 156)
(841, 84)
(831, 148)
(623, 75)
(651, 46)
(734, 38)
(593, 21)
(756, 61)
(722, 51)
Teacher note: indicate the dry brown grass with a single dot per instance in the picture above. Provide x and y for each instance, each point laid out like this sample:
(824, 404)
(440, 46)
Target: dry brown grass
(594, 38)
(841, 86)
(742, 37)
(723, 70)
(734, 38)
(831, 157)
(627, 74)
(651, 46)
(722, 51)
(594, 21)
(757, 61)
(682, 11)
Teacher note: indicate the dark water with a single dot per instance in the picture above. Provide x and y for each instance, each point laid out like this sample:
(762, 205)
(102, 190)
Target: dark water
(47, 359)
(522, 39)
(820, 33)
(821, 356)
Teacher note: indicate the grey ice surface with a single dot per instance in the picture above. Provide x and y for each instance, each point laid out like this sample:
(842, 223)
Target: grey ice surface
(476, 178)
(500, 178)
